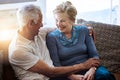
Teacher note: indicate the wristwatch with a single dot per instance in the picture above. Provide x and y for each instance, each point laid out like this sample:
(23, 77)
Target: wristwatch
(95, 68)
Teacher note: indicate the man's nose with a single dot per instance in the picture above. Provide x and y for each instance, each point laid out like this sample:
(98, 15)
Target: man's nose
(41, 25)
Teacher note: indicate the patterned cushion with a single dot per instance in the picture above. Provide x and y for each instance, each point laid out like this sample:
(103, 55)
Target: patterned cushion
(108, 44)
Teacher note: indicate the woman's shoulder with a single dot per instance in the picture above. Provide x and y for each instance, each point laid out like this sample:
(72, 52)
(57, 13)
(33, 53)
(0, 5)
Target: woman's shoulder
(81, 27)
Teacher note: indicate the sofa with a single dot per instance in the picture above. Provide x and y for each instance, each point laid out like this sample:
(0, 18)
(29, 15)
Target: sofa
(107, 43)
(6, 70)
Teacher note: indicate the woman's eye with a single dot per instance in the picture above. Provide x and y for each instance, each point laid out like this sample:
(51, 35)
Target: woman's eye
(62, 20)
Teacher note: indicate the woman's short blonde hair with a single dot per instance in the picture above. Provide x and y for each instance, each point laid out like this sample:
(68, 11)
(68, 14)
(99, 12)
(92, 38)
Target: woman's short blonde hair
(27, 13)
(66, 7)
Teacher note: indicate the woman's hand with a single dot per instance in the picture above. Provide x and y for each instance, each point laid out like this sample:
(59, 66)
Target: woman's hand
(76, 77)
(89, 75)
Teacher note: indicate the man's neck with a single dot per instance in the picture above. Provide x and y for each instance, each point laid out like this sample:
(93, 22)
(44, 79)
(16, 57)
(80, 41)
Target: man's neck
(26, 34)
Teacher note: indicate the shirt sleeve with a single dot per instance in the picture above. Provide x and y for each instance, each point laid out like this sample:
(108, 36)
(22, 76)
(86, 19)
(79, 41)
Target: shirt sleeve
(45, 30)
(52, 47)
(91, 48)
(23, 58)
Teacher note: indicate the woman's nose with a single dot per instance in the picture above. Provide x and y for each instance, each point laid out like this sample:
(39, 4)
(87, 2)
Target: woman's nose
(58, 23)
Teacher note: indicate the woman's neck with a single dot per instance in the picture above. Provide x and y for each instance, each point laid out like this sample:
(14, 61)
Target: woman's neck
(68, 34)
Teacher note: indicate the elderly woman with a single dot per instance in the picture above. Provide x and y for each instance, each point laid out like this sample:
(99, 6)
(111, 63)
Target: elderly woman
(71, 44)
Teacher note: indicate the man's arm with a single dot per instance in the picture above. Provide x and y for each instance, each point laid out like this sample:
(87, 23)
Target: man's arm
(42, 68)
(43, 31)
(92, 33)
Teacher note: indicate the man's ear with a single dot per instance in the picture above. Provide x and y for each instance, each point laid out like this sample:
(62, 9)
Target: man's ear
(32, 23)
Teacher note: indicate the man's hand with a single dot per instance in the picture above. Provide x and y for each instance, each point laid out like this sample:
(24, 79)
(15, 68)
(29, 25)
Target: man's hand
(76, 77)
(92, 33)
(92, 62)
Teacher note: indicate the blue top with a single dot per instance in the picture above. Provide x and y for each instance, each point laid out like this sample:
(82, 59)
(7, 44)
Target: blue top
(79, 48)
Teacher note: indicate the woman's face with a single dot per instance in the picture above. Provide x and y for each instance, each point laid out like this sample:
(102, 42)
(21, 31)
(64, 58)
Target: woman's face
(63, 22)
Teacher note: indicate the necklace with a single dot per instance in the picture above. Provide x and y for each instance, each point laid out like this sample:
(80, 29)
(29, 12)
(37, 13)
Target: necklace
(71, 41)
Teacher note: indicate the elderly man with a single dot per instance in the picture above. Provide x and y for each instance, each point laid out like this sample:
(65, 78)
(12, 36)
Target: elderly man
(28, 53)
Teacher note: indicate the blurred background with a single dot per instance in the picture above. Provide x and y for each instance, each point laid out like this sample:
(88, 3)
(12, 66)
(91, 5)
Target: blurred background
(105, 11)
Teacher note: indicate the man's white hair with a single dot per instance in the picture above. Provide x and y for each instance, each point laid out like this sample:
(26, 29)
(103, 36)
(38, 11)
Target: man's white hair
(27, 13)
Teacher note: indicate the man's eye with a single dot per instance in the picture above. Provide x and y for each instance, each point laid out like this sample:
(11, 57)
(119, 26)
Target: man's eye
(62, 20)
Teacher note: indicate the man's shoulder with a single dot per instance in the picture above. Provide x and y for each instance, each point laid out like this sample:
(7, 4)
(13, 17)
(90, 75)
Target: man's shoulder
(19, 42)
(54, 33)
(46, 29)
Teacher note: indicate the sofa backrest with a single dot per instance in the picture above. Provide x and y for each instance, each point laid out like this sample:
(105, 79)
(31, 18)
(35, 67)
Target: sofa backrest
(6, 72)
(107, 43)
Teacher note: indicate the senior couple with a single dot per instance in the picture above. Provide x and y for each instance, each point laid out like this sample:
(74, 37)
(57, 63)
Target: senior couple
(65, 53)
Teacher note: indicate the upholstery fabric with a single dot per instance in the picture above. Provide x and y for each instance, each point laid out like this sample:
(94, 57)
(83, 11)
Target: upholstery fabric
(1, 64)
(107, 43)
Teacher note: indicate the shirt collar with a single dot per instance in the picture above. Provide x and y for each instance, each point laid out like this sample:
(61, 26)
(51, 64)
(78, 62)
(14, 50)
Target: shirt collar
(23, 39)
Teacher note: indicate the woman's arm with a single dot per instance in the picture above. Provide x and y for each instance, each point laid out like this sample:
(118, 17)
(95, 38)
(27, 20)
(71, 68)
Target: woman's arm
(91, 48)
(89, 75)
(52, 47)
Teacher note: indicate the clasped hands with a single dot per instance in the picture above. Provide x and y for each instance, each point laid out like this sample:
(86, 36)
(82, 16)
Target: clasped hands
(91, 64)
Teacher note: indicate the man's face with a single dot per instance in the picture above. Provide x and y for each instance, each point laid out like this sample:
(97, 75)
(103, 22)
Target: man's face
(35, 27)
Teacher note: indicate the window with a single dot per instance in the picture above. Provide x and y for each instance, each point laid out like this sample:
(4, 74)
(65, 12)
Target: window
(8, 21)
(14, 1)
(105, 11)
